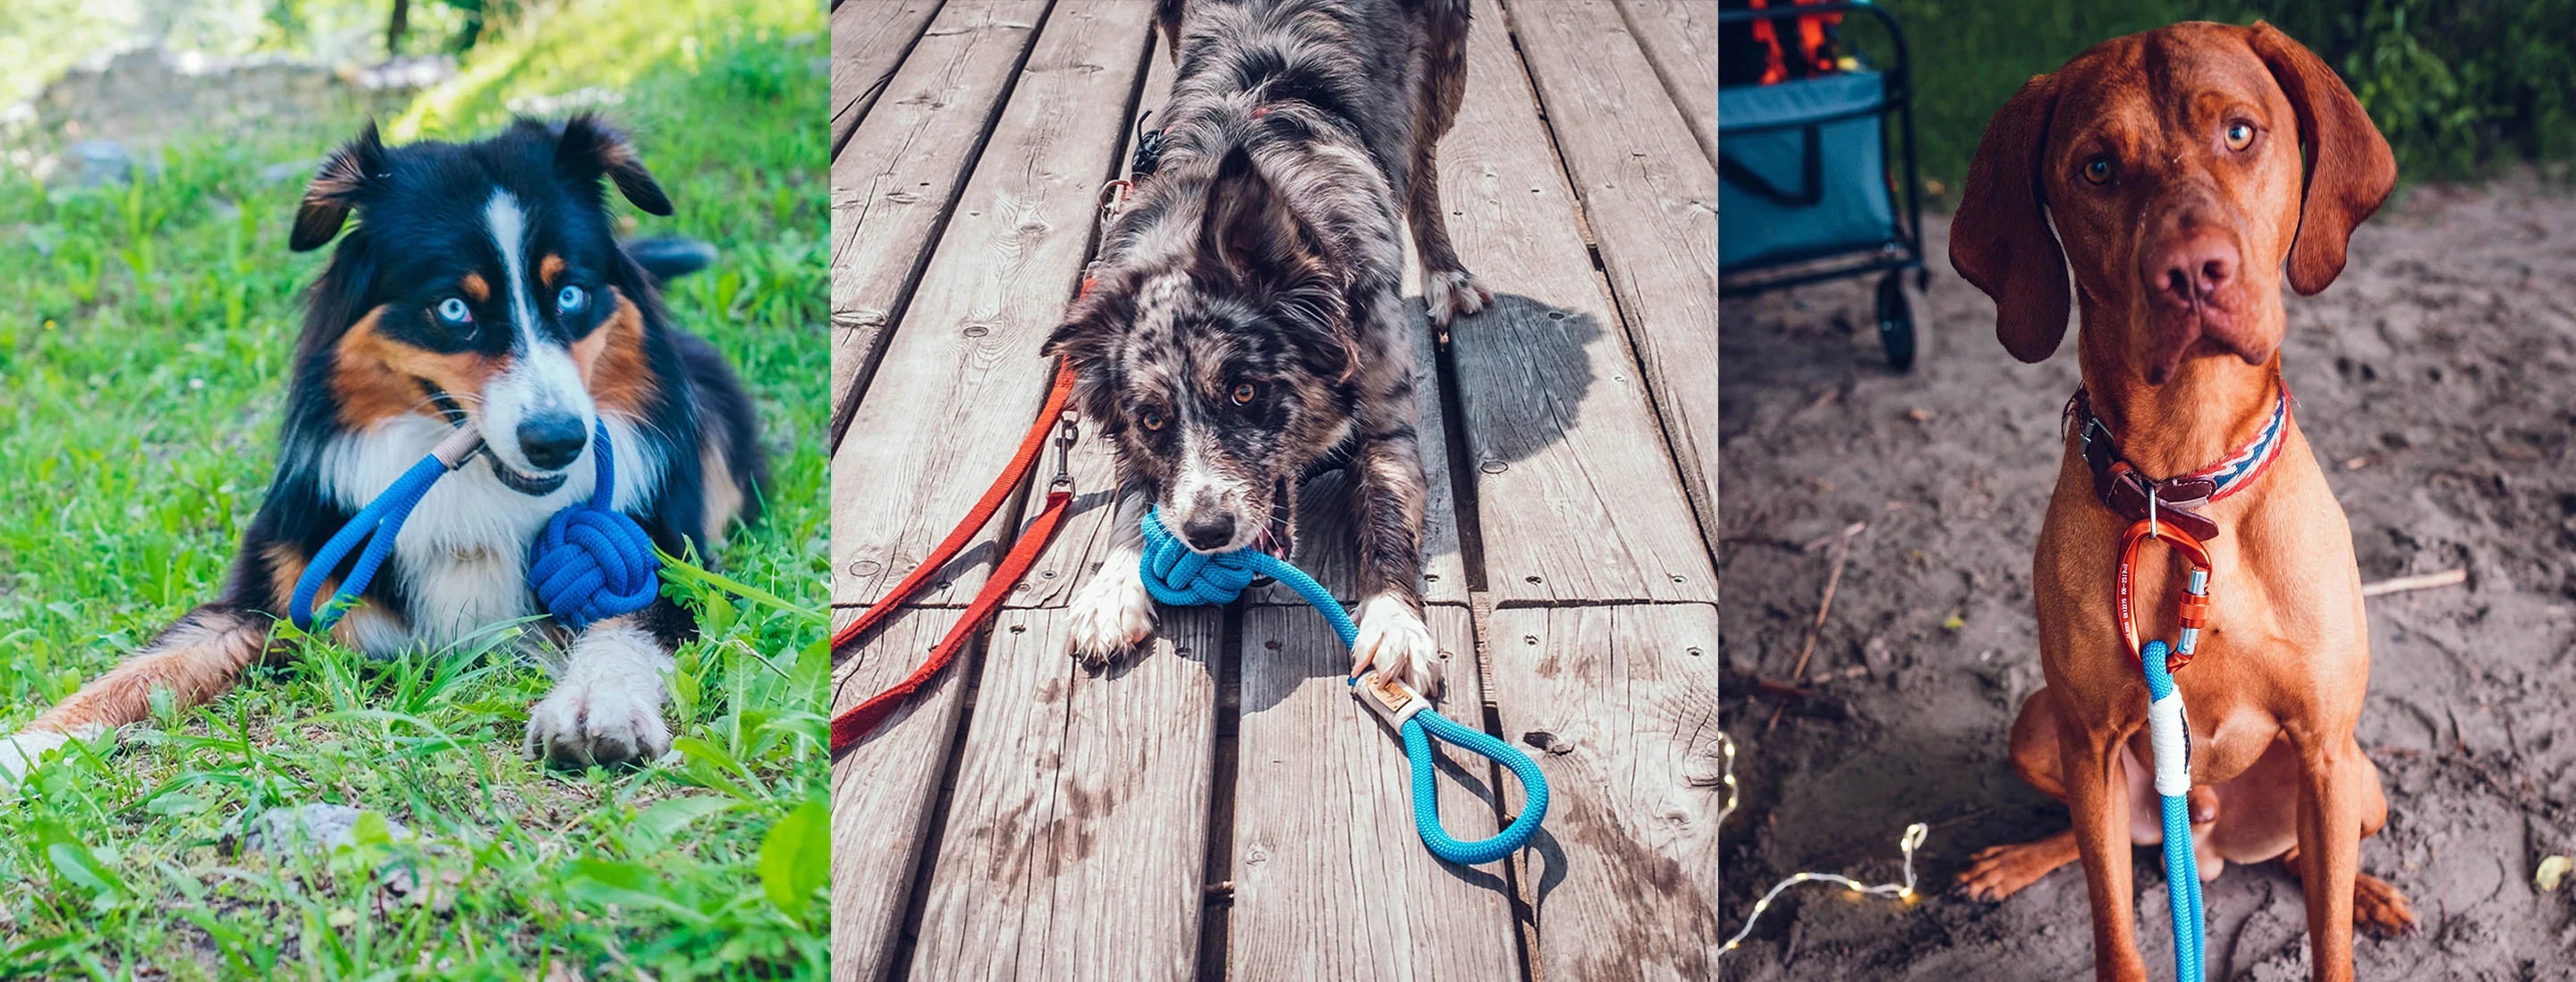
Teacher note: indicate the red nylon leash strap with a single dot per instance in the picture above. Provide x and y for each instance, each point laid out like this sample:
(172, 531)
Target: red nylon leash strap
(856, 723)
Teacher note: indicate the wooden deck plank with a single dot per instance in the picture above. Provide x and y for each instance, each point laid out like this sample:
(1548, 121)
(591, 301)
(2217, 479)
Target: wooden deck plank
(963, 377)
(1652, 206)
(1680, 38)
(1330, 879)
(869, 38)
(1085, 537)
(901, 169)
(1077, 834)
(1577, 497)
(1626, 867)
(882, 791)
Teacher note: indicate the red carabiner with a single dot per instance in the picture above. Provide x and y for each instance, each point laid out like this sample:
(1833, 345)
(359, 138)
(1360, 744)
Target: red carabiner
(2195, 597)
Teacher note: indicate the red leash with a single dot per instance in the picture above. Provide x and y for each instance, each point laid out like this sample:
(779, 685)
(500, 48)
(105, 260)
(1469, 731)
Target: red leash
(856, 723)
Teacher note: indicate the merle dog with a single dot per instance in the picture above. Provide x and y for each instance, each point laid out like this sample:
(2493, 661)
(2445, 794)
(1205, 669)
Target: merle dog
(1245, 326)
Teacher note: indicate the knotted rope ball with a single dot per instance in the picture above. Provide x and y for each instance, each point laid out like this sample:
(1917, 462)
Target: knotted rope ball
(1177, 576)
(592, 562)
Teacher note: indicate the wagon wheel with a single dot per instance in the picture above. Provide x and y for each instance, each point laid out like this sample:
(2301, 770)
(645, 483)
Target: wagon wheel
(1896, 322)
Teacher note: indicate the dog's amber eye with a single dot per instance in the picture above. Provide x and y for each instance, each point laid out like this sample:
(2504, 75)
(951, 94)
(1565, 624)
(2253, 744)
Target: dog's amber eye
(2098, 170)
(1243, 393)
(2240, 134)
(1152, 420)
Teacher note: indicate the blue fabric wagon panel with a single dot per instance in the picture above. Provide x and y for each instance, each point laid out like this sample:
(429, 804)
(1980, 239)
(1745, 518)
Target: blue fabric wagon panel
(1803, 170)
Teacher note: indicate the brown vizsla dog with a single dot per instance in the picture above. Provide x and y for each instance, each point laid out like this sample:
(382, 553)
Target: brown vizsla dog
(2170, 164)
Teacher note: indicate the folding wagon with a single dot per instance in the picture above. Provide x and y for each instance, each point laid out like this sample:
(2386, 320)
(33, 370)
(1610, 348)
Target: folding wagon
(1804, 189)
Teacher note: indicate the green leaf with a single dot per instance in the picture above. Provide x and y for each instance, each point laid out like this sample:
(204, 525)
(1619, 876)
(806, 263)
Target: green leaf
(664, 821)
(796, 859)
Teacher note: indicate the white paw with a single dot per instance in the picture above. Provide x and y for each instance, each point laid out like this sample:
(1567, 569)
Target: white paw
(21, 752)
(1110, 614)
(1393, 638)
(1453, 294)
(607, 707)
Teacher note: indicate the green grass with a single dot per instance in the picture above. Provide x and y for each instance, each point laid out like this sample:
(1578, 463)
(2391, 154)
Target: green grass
(145, 332)
(2458, 86)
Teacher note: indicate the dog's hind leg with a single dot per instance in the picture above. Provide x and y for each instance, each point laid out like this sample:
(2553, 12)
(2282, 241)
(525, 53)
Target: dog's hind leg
(195, 660)
(1448, 290)
(1112, 612)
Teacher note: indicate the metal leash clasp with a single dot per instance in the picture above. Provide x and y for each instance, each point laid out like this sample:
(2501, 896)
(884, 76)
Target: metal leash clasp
(2194, 609)
(1068, 430)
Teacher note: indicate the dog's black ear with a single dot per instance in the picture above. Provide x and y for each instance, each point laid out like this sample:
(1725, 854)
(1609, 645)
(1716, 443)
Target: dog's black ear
(1246, 230)
(1088, 343)
(345, 180)
(1317, 316)
(587, 149)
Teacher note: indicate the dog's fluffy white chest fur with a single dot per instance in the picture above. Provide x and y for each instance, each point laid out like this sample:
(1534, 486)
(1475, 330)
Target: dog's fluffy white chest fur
(462, 555)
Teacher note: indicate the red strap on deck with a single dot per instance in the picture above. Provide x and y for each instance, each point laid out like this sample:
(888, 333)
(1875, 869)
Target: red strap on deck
(857, 722)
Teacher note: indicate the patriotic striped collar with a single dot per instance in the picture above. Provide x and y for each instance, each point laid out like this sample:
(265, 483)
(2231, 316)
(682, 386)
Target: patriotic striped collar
(2175, 499)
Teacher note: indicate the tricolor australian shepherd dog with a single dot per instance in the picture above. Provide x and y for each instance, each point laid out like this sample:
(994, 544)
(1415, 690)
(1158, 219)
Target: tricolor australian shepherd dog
(482, 287)
(1245, 326)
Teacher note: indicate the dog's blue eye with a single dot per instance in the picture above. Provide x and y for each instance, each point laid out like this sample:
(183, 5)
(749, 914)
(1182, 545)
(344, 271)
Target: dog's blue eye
(570, 299)
(454, 312)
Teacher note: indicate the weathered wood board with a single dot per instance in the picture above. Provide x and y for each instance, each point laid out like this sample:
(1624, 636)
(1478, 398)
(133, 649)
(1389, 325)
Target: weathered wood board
(901, 170)
(1680, 37)
(1331, 880)
(1652, 204)
(869, 38)
(1626, 869)
(1578, 497)
(882, 790)
(1078, 829)
(962, 377)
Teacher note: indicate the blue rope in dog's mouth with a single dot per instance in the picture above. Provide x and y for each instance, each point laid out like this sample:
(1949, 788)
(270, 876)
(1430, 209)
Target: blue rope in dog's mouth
(590, 563)
(1177, 576)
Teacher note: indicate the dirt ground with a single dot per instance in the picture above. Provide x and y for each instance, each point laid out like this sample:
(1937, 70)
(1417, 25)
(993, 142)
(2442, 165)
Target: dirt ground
(2436, 380)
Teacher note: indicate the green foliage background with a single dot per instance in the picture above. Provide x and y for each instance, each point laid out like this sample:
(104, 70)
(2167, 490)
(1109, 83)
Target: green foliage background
(2458, 86)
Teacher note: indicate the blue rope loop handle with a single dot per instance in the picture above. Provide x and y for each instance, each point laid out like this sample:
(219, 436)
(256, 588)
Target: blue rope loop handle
(2182, 867)
(590, 563)
(1177, 576)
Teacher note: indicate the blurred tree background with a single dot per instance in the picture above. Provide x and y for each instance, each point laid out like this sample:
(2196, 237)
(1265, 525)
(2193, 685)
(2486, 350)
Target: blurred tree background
(2460, 87)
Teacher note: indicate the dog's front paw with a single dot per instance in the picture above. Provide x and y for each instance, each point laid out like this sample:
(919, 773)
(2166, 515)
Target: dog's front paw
(20, 753)
(1110, 615)
(607, 709)
(1395, 640)
(1452, 294)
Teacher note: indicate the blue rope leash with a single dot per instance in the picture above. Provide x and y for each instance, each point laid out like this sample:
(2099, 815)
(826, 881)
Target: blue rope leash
(1177, 576)
(590, 563)
(2171, 740)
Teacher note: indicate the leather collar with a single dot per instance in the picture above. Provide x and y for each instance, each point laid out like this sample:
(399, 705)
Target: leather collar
(2177, 499)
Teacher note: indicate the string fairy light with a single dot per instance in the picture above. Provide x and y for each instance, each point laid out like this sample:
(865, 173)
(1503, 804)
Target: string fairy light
(1912, 840)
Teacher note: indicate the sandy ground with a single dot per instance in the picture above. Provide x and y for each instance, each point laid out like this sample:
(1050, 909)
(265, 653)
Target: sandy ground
(2436, 380)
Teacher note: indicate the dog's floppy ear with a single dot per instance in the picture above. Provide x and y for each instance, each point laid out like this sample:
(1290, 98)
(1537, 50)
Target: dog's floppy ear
(2000, 239)
(346, 178)
(588, 149)
(1088, 343)
(2350, 171)
(1246, 229)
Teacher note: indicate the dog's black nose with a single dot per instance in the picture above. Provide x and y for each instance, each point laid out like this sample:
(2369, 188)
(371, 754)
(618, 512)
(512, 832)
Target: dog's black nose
(1209, 531)
(552, 441)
